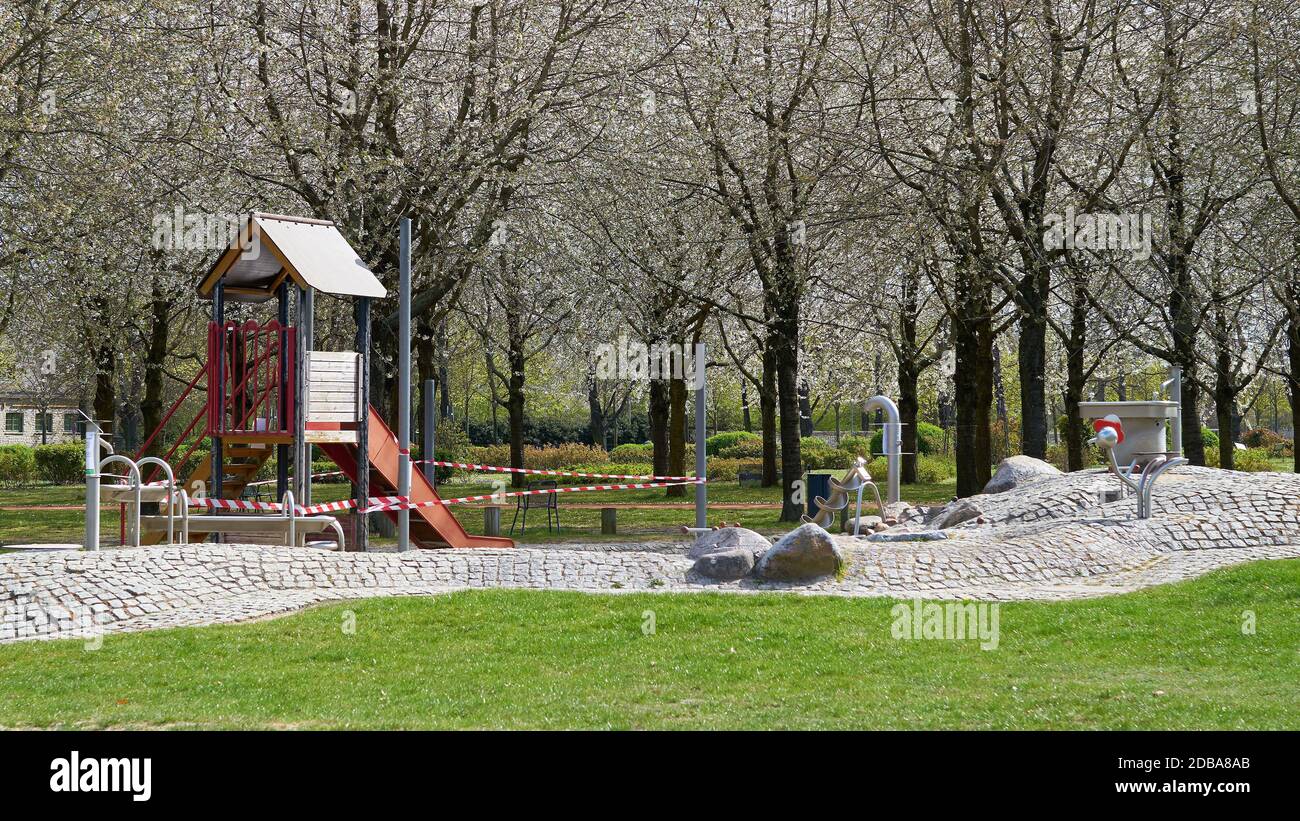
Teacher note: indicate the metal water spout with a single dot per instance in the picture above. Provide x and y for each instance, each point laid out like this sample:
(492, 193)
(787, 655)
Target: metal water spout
(891, 439)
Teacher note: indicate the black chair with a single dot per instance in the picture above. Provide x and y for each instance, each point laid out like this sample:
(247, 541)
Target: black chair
(550, 501)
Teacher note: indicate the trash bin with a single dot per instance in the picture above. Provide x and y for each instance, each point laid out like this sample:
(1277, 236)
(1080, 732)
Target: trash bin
(816, 484)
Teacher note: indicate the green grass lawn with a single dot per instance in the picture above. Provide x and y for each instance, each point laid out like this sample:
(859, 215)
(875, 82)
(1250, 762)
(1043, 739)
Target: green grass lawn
(53, 525)
(1170, 657)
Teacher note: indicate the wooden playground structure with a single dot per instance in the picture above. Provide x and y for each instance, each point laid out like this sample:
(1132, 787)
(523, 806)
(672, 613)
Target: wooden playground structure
(270, 392)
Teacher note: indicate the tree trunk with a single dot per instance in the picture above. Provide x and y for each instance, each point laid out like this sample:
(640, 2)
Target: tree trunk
(783, 342)
(805, 410)
(444, 392)
(1224, 397)
(677, 435)
(424, 368)
(1293, 365)
(151, 406)
(1031, 361)
(744, 405)
(767, 417)
(658, 418)
(515, 403)
(105, 401)
(973, 380)
(595, 410)
(908, 406)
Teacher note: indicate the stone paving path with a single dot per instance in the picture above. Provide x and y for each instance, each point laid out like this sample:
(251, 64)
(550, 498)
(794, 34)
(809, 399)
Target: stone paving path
(1049, 541)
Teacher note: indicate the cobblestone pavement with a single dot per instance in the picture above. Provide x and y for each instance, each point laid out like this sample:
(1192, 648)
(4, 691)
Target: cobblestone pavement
(1049, 541)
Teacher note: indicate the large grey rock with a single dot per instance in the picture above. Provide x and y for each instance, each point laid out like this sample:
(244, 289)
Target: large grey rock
(806, 552)
(729, 538)
(726, 564)
(953, 514)
(1017, 471)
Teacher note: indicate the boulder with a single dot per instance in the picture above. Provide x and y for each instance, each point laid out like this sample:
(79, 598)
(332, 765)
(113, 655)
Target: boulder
(726, 564)
(1017, 471)
(954, 513)
(806, 552)
(729, 538)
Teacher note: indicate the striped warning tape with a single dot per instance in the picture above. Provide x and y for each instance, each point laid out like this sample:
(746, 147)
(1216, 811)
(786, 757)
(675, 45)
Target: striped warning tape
(380, 503)
(536, 472)
(400, 504)
(277, 507)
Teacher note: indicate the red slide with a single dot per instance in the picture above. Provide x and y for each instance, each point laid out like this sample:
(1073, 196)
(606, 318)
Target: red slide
(432, 526)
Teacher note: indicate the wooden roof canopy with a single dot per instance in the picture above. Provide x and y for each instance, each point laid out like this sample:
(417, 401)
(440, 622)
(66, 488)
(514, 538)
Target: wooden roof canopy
(271, 248)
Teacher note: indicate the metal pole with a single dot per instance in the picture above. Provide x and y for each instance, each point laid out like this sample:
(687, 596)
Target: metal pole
(282, 451)
(701, 434)
(363, 424)
(306, 341)
(891, 437)
(404, 386)
(92, 487)
(1176, 395)
(217, 394)
(429, 429)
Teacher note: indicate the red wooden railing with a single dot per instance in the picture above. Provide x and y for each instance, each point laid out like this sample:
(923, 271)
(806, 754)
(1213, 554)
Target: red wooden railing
(253, 397)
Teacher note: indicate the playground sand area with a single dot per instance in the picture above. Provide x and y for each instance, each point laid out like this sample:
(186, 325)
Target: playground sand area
(1054, 539)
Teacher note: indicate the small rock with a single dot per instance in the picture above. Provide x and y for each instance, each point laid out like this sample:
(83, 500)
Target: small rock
(962, 510)
(806, 552)
(1017, 471)
(867, 522)
(727, 564)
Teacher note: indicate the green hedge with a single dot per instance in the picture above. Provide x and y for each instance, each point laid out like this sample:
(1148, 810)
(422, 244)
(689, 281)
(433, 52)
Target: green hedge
(63, 464)
(17, 465)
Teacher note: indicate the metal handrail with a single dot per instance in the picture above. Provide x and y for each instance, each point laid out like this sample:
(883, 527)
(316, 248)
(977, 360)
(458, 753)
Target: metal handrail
(171, 489)
(138, 485)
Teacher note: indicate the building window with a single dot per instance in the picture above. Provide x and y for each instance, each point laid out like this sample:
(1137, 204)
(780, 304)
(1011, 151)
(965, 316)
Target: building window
(14, 422)
(70, 421)
(45, 423)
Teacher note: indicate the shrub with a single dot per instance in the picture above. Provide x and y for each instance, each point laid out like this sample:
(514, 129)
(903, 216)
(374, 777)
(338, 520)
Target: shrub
(1252, 460)
(715, 444)
(878, 469)
(856, 445)
(827, 459)
(933, 470)
(728, 470)
(62, 464)
(814, 443)
(1210, 438)
(1275, 444)
(744, 449)
(929, 440)
(17, 464)
(632, 453)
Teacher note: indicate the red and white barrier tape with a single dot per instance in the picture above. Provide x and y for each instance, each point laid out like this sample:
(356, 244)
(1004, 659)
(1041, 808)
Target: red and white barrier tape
(536, 472)
(398, 503)
(277, 507)
(381, 503)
